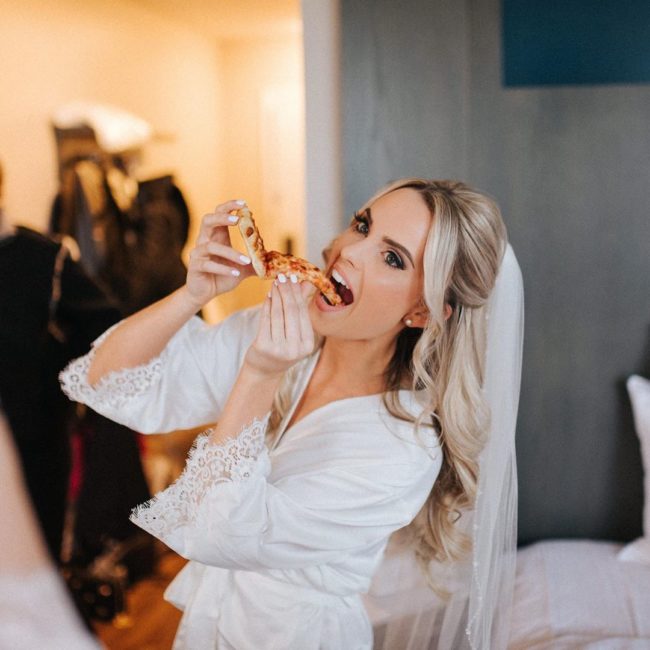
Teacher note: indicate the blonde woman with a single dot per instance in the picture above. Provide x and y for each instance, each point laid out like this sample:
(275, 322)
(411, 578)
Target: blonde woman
(337, 426)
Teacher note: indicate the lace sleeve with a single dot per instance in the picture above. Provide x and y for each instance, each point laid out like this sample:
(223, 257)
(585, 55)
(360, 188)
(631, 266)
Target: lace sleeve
(208, 465)
(114, 389)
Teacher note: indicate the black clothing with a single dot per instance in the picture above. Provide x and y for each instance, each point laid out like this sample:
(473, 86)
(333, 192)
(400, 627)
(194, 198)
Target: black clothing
(36, 408)
(41, 416)
(130, 234)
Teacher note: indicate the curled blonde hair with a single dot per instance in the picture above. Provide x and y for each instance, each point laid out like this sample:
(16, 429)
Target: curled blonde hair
(444, 361)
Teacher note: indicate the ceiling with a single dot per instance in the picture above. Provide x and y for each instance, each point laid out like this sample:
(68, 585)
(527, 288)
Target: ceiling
(224, 19)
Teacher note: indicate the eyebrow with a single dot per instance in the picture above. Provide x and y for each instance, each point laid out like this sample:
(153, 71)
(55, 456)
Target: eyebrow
(388, 240)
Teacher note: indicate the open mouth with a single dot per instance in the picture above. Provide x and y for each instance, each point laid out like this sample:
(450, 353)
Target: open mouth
(347, 297)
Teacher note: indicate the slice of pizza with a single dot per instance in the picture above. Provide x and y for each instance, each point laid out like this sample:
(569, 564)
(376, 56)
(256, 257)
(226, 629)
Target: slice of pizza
(268, 264)
(252, 241)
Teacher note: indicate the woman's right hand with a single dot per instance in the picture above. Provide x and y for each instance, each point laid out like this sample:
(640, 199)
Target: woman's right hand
(215, 266)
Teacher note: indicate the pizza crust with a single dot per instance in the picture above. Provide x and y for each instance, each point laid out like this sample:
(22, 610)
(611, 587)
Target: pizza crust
(252, 241)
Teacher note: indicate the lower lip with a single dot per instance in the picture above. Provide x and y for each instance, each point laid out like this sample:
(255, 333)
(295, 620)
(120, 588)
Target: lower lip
(322, 305)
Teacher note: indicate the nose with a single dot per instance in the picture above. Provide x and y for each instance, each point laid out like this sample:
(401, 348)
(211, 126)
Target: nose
(353, 252)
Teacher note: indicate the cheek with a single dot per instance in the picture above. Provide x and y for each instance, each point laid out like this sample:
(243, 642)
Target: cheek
(389, 296)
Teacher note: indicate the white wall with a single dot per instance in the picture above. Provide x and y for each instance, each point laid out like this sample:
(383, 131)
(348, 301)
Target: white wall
(324, 182)
(230, 110)
(262, 144)
(110, 52)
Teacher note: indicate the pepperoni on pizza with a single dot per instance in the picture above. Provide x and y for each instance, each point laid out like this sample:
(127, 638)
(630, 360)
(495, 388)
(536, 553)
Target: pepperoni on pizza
(268, 264)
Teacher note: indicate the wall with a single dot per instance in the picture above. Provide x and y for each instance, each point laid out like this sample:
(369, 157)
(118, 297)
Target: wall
(323, 177)
(570, 167)
(404, 86)
(116, 53)
(229, 112)
(262, 143)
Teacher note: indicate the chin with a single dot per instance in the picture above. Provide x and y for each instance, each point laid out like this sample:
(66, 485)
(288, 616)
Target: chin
(328, 323)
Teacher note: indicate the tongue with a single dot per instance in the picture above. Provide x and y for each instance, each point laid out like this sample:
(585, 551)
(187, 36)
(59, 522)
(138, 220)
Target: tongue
(346, 294)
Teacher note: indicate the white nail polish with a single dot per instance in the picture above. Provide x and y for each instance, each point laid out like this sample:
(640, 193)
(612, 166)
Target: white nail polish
(293, 278)
(235, 272)
(233, 218)
(282, 278)
(240, 202)
(244, 259)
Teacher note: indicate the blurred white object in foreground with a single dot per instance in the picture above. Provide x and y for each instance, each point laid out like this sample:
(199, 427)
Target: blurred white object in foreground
(116, 130)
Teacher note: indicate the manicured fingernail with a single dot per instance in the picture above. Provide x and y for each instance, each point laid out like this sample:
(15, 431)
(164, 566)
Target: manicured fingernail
(282, 278)
(268, 295)
(244, 259)
(233, 218)
(235, 272)
(293, 278)
(240, 202)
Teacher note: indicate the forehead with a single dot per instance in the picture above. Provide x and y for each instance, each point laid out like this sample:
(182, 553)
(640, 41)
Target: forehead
(403, 216)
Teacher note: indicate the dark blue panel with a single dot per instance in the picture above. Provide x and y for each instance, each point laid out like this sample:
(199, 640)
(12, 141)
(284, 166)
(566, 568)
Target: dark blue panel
(549, 42)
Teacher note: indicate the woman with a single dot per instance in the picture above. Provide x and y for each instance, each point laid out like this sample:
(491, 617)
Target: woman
(372, 412)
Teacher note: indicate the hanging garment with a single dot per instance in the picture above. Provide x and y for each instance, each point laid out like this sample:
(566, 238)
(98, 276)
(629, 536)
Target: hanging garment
(37, 411)
(130, 235)
(43, 291)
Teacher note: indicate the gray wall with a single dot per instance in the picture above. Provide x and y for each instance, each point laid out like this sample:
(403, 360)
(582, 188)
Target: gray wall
(570, 167)
(396, 119)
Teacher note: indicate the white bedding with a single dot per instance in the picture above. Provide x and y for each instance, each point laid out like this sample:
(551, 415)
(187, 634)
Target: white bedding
(577, 594)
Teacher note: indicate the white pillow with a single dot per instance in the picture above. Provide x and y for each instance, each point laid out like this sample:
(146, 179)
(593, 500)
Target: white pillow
(639, 391)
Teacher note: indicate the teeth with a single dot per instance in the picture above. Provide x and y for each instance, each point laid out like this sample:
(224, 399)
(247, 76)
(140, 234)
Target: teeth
(339, 279)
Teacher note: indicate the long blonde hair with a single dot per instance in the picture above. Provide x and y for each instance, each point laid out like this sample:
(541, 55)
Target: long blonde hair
(444, 361)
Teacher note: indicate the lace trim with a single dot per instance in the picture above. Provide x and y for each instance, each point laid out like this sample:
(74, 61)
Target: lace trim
(116, 388)
(207, 465)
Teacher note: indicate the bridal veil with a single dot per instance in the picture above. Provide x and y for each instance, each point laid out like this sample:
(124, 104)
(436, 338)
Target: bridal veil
(406, 614)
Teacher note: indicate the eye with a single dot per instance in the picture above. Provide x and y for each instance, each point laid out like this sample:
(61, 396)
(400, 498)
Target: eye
(393, 259)
(360, 224)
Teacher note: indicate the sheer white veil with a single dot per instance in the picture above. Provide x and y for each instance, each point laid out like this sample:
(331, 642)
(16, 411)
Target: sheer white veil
(405, 613)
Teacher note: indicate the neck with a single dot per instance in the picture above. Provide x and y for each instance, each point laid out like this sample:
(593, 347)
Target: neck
(355, 366)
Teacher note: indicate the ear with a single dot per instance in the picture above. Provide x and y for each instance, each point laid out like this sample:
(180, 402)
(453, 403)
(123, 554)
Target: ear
(417, 317)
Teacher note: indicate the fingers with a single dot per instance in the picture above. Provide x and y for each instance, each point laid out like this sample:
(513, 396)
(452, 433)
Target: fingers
(289, 295)
(298, 331)
(208, 266)
(221, 218)
(265, 320)
(230, 206)
(307, 290)
(306, 329)
(277, 317)
(213, 249)
(285, 335)
(213, 252)
(227, 263)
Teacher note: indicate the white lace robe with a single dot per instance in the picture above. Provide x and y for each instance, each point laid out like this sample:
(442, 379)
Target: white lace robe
(282, 540)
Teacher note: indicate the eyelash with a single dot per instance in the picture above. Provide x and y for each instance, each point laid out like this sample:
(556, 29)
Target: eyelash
(359, 219)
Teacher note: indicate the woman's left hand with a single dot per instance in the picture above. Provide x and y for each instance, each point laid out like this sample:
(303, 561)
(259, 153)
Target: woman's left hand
(285, 334)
